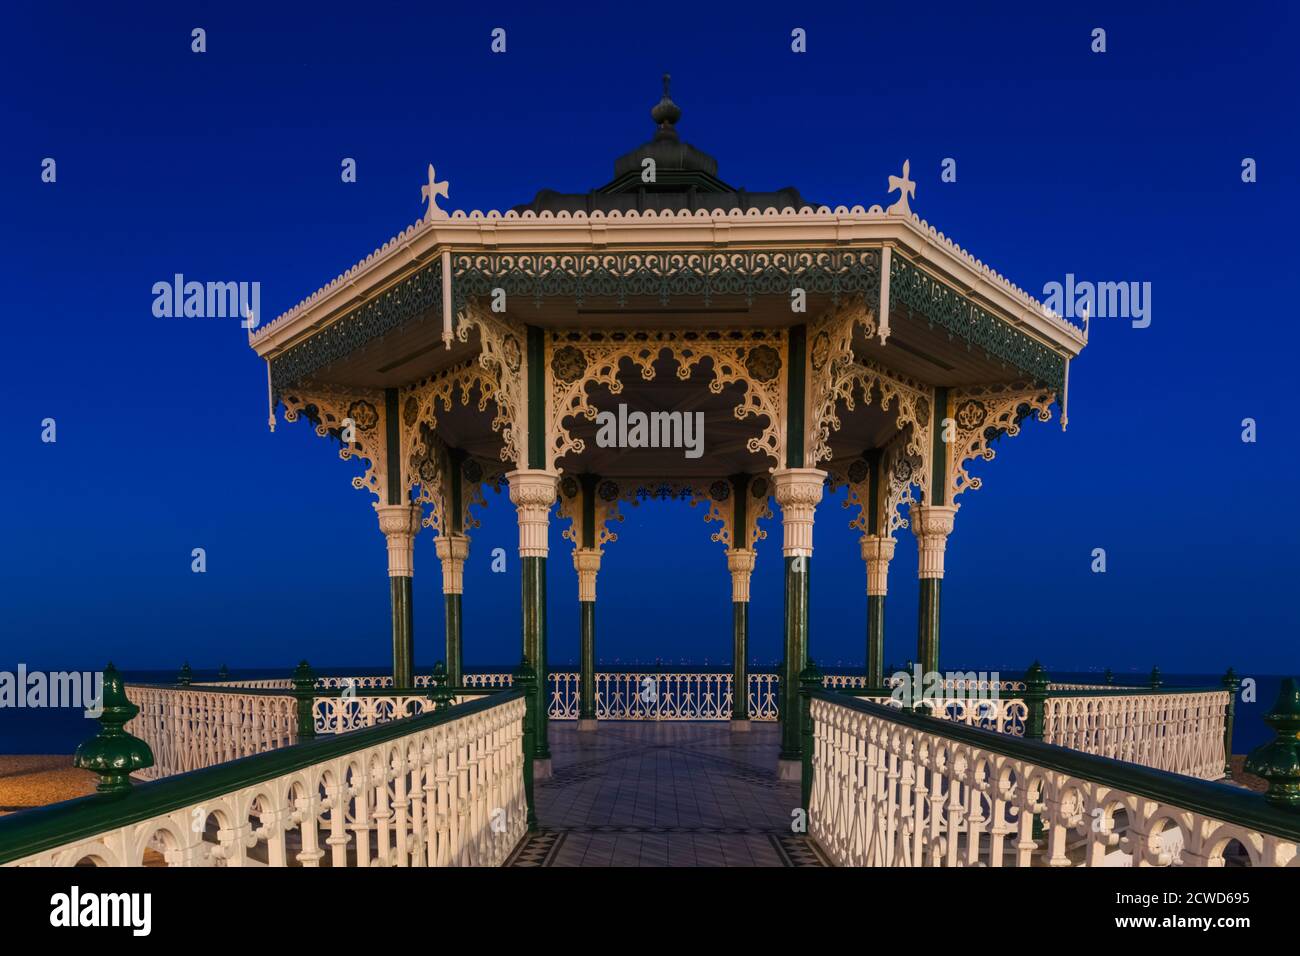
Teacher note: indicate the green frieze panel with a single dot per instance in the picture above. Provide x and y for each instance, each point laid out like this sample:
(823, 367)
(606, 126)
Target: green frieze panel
(415, 295)
(707, 274)
(951, 310)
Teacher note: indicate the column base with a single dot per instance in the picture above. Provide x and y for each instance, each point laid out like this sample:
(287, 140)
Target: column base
(586, 724)
(789, 769)
(541, 768)
(739, 726)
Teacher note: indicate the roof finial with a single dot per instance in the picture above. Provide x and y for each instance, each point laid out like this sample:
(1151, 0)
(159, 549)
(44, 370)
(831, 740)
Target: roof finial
(666, 113)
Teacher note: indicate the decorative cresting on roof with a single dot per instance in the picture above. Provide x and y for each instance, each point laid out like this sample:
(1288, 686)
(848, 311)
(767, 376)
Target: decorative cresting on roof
(662, 174)
(754, 358)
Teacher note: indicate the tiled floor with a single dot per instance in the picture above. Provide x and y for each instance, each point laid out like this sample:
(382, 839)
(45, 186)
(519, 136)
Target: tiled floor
(665, 794)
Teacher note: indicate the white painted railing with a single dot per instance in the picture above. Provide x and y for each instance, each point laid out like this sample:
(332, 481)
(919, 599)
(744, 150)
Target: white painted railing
(449, 793)
(189, 728)
(892, 789)
(1181, 732)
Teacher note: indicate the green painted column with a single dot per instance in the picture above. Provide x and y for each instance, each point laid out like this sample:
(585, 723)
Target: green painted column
(739, 657)
(586, 561)
(797, 490)
(455, 659)
(796, 656)
(532, 490)
(400, 591)
(453, 549)
(587, 653)
(877, 552)
(932, 522)
(740, 564)
(533, 602)
(399, 520)
(875, 640)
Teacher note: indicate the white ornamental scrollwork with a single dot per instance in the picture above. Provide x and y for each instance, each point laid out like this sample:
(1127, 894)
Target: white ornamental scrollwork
(577, 360)
(358, 413)
(983, 414)
(605, 509)
(502, 343)
(834, 375)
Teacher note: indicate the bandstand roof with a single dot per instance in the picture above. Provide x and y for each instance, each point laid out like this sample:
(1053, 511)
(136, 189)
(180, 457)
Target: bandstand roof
(688, 251)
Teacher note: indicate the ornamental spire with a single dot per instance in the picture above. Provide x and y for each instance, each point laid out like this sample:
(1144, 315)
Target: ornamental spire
(666, 113)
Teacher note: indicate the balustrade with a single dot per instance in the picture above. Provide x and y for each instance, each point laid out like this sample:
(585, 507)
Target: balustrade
(442, 789)
(892, 788)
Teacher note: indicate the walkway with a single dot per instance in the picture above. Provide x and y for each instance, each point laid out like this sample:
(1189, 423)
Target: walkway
(665, 794)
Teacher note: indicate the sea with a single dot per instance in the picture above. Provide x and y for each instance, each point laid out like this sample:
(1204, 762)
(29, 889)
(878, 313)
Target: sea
(60, 730)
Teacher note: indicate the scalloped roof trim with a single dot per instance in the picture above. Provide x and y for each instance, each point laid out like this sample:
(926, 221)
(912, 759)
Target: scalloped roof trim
(770, 212)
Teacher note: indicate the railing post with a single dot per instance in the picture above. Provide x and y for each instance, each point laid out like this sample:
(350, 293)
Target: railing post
(1278, 761)
(113, 753)
(440, 691)
(526, 681)
(1231, 683)
(224, 673)
(1156, 682)
(304, 691)
(1036, 682)
(185, 676)
(1109, 676)
(810, 679)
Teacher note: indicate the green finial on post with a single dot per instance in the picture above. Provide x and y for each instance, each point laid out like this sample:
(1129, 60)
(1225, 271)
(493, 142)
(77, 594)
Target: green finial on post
(224, 673)
(185, 676)
(440, 691)
(304, 691)
(1278, 761)
(113, 753)
(1156, 682)
(1109, 676)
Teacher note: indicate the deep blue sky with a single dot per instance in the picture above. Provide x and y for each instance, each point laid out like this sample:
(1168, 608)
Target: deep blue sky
(225, 165)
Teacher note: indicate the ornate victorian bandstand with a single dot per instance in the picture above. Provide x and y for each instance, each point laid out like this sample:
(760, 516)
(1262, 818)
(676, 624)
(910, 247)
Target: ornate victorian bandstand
(855, 347)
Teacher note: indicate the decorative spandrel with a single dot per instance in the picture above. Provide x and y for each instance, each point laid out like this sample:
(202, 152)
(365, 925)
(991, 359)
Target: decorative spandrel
(355, 418)
(576, 361)
(983, 414)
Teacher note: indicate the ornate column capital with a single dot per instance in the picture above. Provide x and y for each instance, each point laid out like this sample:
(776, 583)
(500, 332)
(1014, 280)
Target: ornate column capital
(586, 561)
(932, 524)
(798, 491)
(533, 493)
(399, 523)
(740, 562)
(877, 552)
(452, 550)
